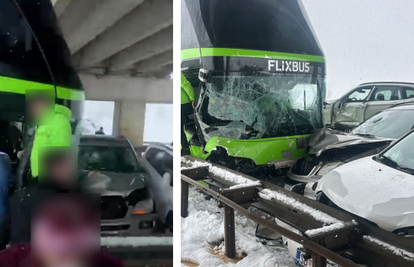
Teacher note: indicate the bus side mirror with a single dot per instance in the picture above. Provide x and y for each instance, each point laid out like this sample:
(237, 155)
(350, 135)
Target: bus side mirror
(204, 75)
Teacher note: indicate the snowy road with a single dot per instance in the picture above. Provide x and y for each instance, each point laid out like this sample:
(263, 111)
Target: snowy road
(202, 234)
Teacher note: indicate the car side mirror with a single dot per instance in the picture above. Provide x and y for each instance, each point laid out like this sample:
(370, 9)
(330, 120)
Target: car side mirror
(263, 232)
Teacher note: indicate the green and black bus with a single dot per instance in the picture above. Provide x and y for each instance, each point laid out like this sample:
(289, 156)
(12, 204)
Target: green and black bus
(34, 56)
(259, 76)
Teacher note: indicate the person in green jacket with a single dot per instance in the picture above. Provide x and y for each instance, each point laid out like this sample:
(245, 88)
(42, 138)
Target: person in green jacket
(187, 107)
(53, 129)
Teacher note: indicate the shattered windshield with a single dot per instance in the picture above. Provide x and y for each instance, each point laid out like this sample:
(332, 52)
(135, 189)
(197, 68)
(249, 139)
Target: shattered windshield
(254, 107)
(110, 159)
(402, 122)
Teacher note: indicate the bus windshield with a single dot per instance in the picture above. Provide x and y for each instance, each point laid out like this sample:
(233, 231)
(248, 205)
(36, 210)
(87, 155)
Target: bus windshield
(254, 107)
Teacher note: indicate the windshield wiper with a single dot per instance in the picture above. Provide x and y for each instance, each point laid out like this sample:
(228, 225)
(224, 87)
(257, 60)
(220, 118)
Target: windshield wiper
(396, 165)
(406, 169)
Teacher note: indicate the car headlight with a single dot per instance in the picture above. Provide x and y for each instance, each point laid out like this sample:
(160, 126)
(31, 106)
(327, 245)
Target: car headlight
(299, 188)
(406, 232)
(143, 207)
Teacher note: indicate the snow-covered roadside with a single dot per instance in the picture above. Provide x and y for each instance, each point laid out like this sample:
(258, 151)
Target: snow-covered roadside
(202, 233)
(231, 177)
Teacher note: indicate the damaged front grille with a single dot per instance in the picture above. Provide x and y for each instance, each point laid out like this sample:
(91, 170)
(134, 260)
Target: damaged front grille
(113, 207)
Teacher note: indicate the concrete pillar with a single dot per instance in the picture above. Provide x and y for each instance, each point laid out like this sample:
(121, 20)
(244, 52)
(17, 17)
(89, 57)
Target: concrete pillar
(129, 120)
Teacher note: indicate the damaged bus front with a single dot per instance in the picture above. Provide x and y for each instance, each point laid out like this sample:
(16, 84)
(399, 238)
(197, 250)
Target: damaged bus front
(259, 77)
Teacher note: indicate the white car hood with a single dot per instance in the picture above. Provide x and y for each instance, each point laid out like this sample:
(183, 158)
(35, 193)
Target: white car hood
(372, 191)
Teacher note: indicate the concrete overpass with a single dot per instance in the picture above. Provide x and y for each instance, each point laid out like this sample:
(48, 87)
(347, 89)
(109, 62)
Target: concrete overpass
(123, 52)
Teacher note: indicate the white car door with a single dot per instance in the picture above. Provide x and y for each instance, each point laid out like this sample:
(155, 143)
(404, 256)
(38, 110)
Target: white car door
(383, 97)
(351, 109)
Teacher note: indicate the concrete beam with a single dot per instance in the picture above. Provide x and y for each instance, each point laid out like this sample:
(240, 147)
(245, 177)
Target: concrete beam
(105, 14)
(163, 73)
(151, 46)
(60, 6)
(112, 88)
(75, 13)
(145, 20)
(155, 62)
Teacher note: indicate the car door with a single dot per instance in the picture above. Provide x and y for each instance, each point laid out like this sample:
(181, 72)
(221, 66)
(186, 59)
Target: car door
(408, 94)
(349, 110)
(383, 97)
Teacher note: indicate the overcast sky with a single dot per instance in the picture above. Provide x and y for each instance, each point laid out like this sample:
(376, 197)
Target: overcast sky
(364, 40)
(159, 123)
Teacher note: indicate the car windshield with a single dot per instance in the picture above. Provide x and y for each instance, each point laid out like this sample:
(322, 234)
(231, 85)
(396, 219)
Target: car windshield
(254, 107)
(111, 159)
(402, 121)
(401, 155)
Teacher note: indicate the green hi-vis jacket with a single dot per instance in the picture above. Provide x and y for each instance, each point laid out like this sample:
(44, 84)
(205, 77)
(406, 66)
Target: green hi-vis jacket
(187, 91)
(53, 131)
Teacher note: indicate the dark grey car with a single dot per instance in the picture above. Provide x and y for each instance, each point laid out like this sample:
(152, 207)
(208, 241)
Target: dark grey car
(109, 166)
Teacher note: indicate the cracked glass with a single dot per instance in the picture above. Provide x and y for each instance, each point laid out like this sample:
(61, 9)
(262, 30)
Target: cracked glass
(255, 107)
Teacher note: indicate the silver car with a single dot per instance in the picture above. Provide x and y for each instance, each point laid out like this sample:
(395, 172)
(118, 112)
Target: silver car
(367, 99)
(109, 166)
(329, 148)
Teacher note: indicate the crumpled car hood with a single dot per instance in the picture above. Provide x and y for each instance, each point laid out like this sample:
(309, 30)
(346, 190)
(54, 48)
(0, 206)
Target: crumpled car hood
(325, 139)
(111, 184)
(372, 191)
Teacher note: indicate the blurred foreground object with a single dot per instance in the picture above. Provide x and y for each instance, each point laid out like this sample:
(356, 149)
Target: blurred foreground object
(65, 232)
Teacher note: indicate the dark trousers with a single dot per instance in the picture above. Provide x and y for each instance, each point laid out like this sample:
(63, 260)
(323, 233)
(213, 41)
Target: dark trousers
(5, 180)
(186, 110)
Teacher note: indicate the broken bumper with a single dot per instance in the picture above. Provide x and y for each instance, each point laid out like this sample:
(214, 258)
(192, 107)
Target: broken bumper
(131, 225)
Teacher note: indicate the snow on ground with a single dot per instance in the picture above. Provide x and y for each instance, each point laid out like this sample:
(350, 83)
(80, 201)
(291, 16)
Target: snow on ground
(231, 177)
(202, 234)
(142, 241)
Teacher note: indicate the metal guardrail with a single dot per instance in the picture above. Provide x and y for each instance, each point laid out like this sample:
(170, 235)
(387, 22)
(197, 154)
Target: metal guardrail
(148, 256)
(344, 246)
(134, 251)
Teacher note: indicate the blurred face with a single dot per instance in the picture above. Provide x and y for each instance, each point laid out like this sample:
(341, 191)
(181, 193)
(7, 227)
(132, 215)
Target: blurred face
(65, 232)
(63, 171)
(38, 107)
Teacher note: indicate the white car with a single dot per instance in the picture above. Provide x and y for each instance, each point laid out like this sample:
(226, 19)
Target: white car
(158, 161)
(377, 188)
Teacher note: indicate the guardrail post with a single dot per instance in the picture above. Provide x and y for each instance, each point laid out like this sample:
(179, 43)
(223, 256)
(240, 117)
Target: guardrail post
(318, 260)
(229, 232)
(184, 199)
